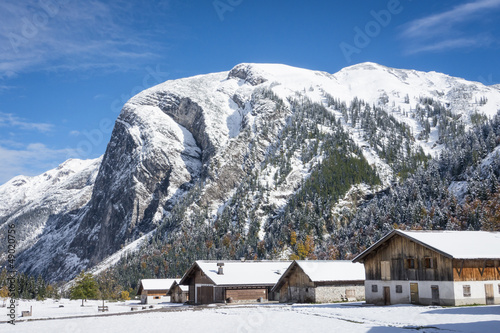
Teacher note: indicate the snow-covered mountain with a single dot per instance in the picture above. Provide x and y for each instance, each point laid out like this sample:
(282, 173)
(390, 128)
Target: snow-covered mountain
(35, 204)
(185, 148)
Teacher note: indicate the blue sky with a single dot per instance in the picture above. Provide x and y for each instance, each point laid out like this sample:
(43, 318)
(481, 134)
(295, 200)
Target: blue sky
(67, 66)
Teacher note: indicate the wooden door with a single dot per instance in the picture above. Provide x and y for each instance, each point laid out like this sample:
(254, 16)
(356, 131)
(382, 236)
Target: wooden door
(414, 293)
(387, 295)
(490, 298)
(435, 295)
(220, 294)
(205, 294)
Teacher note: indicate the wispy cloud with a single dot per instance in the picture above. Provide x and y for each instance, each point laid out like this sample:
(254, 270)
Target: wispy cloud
(4, 87)
(72, 35)
(447, 30)
(10, 120)
(29, 160)
(450, 44)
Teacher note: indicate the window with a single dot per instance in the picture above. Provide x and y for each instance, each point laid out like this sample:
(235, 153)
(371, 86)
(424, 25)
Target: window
(157, 297)
(385, 268)
(499, 288)
(410, 263)
(399, 289)
(467, 291)
(375, 288)
(428, 262)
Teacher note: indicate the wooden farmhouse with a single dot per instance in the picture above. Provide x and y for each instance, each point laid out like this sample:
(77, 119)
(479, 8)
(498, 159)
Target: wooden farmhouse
(154, 291)
(322, 281)
(178, 293)
(232, 281)
(433, 267)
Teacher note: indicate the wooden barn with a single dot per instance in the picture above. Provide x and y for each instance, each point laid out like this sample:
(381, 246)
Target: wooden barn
(433, 267)
(154, 291)
(322, 281)
(232, 281)
(178, 293)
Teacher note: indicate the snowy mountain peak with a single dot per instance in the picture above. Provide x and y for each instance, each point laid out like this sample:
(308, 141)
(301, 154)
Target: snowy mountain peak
(247, 72)
(200, 142)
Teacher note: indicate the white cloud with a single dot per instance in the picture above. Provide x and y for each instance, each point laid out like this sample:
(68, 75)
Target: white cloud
(5, 87)
(10, 120)
(449, 44)
(72, 35)
(445, 31)
(30, 160)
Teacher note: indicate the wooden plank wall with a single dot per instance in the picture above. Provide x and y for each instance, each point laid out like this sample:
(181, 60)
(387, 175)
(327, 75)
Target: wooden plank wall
(476, 270)
(299, 279)
(246, 294)
(397, 250)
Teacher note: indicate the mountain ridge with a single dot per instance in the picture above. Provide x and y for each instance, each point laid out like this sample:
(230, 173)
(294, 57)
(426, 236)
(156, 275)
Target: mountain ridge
(209, 133)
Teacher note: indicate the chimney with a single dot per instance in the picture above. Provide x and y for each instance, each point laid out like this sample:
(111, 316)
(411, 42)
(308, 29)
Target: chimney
(221, 270)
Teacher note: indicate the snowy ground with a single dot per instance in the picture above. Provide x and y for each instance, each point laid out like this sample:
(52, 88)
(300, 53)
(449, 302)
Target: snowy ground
(50, 309)
(347, 317)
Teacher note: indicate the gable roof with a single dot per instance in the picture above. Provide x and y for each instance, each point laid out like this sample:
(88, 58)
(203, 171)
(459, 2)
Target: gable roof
(451, 244)
(155, 284)
(326, 271)
(184, 288)
(244, 273)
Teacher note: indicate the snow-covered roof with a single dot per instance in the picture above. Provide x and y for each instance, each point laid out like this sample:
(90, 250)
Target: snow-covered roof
(332, 270)
(460, 244)
(184, 288)
(327, 271)
(157, 284)
(452, 244)
(249, 273)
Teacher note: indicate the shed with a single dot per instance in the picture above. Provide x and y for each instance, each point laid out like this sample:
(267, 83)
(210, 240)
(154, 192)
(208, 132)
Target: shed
(232, 281)
(154, 291)
(178, 293)
(433, 267)
(322, 281)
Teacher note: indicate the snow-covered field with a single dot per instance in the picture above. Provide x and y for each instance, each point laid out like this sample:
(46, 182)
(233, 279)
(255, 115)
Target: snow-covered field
(345, 317)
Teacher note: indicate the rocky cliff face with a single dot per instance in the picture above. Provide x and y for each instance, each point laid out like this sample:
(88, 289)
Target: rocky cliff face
(214, 132)
(149, 162)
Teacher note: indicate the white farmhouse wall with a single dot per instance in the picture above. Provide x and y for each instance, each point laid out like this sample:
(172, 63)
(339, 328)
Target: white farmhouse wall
(378, 296)
(161, 299)
(477, 290)
(450, 293)
(446, 292)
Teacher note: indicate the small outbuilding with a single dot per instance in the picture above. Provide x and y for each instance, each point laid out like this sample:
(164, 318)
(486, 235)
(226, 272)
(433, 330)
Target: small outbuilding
(322, 281)
(178, 293)
(233, 281)
(154, 291)
(433, 267)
